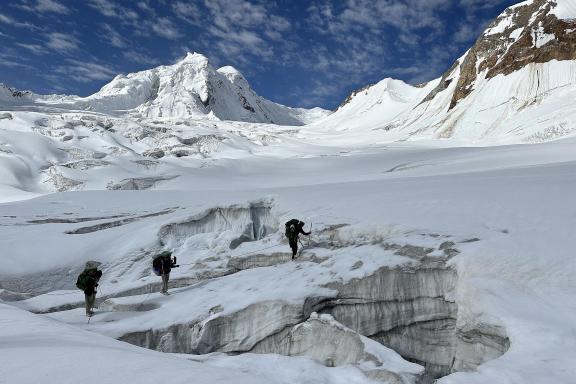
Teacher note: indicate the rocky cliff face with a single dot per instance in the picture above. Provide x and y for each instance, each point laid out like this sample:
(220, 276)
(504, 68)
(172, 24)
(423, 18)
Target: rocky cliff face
(527, 33)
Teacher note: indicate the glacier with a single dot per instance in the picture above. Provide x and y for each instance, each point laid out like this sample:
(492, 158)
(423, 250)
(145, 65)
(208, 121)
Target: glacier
(442, 223)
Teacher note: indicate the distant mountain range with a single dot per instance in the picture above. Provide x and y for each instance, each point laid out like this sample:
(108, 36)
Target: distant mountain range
(516, 84)
(190, 88)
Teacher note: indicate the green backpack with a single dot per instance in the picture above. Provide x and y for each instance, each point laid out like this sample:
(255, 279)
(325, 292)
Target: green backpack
(85, 279)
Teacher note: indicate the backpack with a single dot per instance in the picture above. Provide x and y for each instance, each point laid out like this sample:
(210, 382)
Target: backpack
(291, 230)
(82, 281)
(159, 264)
(88, 279)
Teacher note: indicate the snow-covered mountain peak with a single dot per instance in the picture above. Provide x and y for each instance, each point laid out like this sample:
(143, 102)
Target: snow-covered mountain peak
(193, 88)
(234, 76)
(194, 58)
(189, 88)
(514, 84)
(388, 88)
(229, 70)
(8, 94)
(397, 87)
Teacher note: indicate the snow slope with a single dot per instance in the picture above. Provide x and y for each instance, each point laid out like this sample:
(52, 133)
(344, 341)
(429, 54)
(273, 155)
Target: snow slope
(522, 259)
(374, 106)
(62, 354)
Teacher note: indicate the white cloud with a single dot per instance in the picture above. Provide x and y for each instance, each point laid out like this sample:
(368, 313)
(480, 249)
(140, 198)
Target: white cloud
(145, 6)
(14, 23)
(231, 14)
(238, 28)
(51, 6)
(43, 6)
(480, 4)
(465, 33)
(372, 16)
(86, 72)
(110, 9)
(34, 48)
(5, 19)
(165, 27)
(113, 37)
(62, 42)
(315, 93)
(141, 58)
(186, 11)
(13, 59)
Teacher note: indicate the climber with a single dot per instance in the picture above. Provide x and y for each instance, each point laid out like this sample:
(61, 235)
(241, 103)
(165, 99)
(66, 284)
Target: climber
(87, 282)
(162, 265)
(293, 229)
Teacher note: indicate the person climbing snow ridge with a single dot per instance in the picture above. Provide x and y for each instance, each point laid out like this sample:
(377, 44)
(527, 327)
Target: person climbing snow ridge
(294, 228)
(162, 265)
(88, 281)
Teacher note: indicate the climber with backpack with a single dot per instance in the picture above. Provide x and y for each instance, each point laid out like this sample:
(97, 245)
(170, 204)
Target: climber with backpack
(162, 265)
(88, 282)
(294, 228)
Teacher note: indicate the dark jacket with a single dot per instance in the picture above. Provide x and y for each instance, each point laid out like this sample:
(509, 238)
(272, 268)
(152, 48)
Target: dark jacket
(166, 264)
(163, 264)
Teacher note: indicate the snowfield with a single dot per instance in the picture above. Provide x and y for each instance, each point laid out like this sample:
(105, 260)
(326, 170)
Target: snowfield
(507, 210)
(442, 219)
(64, 354)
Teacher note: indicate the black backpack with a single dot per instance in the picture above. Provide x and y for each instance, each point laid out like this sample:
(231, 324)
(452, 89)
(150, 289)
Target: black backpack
(162, 262)
(291, 228)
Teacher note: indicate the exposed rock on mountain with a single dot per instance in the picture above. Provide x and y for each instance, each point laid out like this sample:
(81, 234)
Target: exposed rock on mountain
(524, 34)
(8, 94)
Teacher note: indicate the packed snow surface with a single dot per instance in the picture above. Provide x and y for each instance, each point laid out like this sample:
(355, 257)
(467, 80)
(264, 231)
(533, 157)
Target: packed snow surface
(35, 348)
(565, 9)
(515, 201)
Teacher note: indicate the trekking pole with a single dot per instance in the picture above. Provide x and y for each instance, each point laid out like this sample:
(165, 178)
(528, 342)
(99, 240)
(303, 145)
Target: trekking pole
(301, 248)
(310, 231)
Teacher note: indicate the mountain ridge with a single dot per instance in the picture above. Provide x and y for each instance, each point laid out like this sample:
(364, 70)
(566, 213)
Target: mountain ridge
(520, 69)
(190, 88)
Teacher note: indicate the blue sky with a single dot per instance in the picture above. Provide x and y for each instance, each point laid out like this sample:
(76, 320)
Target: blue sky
(299, 53)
